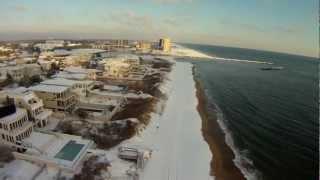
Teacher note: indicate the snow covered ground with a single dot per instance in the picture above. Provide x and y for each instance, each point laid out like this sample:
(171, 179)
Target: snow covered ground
(179, 150)
(181, 51)
(174, 135)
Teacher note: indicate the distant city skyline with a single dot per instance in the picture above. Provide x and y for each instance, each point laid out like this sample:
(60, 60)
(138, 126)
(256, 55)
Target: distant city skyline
(289, 26)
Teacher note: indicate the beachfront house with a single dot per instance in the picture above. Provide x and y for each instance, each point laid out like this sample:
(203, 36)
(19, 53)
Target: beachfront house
(24, 98)
(17, 72)
(77, 73)
(57, 151)
(57, 98)
(80, 88)
(126, 67)
(14, 124)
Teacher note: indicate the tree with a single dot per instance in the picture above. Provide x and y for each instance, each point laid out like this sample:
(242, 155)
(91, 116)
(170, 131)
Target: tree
(54, 67)
(25, 81)
(35, 79)
(82, 114)
(9, 79)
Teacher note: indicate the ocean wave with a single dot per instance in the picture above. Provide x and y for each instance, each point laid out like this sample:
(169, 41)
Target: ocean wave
(242, 60)
(241, 160)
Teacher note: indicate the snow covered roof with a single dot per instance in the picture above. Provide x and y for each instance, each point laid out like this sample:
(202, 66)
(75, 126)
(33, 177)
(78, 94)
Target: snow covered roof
(128, 56)
(87, 51)
(60, 82)
(64, 82)
(3, 65)
(49, 88)
(61, 52)
(41, 61)
(19, 170)
(20, 92)
(66, 75)
(13, 117)
(79, 69)
(75, 69)
(112, 88)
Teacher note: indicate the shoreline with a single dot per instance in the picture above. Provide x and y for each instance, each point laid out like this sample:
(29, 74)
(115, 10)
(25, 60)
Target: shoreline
(180, 51)
(222, 165)
(174, 133)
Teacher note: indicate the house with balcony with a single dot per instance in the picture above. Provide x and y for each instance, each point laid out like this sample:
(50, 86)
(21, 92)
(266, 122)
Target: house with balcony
(56, 151)
(55, 97)
(18, 71)
(24, 98)
(77, 73)
(14, 125)
(80, 88)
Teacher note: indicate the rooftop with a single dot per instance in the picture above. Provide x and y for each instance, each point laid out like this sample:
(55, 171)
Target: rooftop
(64, 82)
(60, 82)
(64, 52)
(75, 69)
(49, 88)
(112, 88)
(20, 92)
(66, 75)
(14, 116)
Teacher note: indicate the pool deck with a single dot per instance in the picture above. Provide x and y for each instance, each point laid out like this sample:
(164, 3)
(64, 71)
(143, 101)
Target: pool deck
(48, 146)
(70, 151)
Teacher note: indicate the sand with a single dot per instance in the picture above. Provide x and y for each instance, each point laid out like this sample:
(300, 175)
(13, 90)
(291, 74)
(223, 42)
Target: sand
(222, 165)
(174, 135)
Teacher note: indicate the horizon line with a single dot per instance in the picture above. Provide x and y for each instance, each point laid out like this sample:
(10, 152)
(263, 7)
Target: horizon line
(192, 43)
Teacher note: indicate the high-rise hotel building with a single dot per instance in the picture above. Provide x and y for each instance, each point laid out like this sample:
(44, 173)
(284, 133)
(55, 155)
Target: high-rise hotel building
(165, 44)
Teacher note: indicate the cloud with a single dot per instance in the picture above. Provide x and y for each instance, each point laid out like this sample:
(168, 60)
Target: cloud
(20, 8)
(292, 29)
(131, 24)
(130, 19)
(171, 21)
(167, 2)
(172, 1)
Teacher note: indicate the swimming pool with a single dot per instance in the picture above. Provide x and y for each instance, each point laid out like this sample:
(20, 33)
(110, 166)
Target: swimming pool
(70, 151)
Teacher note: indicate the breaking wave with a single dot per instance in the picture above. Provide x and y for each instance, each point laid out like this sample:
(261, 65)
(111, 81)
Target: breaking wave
(242, 60)
(241, 160)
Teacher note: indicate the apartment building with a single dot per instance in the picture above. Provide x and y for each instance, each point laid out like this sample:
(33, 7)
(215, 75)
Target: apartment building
(14, 124)
(80, 88)
(57, 98)
(126, 67)
(78, 73)
(24, 98)
(17, 72)
(165, 44)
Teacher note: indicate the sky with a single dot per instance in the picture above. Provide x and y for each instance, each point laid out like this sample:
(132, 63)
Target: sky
(289, 26)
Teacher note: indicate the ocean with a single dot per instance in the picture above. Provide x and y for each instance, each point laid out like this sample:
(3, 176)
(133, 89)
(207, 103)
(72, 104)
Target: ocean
(270, 117)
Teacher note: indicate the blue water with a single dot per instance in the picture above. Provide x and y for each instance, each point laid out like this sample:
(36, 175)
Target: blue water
(272, 116)
(70, 151)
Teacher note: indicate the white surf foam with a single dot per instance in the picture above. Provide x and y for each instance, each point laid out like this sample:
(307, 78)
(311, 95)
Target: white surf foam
(242, 60)
(241, 160)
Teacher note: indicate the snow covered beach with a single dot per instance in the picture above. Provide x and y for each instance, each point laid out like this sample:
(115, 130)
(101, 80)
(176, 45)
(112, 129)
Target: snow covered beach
(179, 150)
(181, 51)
